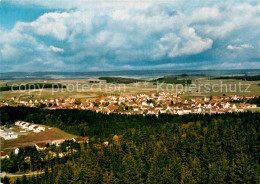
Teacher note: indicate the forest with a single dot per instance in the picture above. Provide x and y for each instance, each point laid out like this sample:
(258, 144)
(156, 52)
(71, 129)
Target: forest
(220, 148)
(120, 80)
(245, 77)
(166, 79)
(254, 101)
(32, 86)
(30, 159)
(173, 80)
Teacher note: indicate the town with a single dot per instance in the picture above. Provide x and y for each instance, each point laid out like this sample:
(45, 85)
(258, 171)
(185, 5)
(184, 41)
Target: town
(148, 104)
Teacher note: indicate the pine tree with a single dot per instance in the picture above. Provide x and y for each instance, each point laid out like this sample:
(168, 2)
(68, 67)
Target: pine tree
(67, 175)
(6, 180)
(18, 181)
(131, 174)
(24, 180)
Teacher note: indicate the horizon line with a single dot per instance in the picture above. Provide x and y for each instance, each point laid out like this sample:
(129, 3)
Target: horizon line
(125, 70)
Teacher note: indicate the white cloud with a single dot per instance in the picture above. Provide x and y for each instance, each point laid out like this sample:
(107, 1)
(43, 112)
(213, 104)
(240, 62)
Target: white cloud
(228, 18)
(56, 49)
(186, 43)
(230, 47)
(247, 46)
(233, 65)
(124, 33)
(9, 51)
(205, 14)
(49, 24)
(240, 47)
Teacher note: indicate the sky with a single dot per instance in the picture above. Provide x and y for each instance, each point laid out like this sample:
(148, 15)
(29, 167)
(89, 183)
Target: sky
(96, 35)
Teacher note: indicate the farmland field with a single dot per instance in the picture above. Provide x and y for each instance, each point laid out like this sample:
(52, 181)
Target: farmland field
(82, 88)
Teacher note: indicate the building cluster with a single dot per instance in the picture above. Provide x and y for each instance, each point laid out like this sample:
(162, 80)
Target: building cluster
(29, 126)
(8, 134)
(152, 103)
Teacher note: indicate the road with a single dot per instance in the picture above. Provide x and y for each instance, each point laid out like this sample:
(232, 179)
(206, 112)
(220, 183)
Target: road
(2, 175)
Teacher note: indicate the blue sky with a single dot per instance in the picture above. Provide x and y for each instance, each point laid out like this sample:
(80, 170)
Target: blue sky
(87, 35)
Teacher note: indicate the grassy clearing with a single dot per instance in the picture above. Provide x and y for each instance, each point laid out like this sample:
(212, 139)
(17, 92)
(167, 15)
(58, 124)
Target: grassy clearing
(32, 138)
(254, 109)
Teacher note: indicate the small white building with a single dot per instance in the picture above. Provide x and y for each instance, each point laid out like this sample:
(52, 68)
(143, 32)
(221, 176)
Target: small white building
(31, 127)
(4, 155)
(22, 124)
(17, 123)
(227, 105)
(234, 106)
(11, 135)
(25, 125)
(40, 146)
(58, 142)
(38, 129)
(179, 112)
(16, 151)
(135, 108)
(7, 135)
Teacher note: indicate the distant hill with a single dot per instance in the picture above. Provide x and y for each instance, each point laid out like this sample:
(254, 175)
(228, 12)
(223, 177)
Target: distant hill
(168, 79)
(172, 80)
(245, 77)
(119, 80)
(32, 86)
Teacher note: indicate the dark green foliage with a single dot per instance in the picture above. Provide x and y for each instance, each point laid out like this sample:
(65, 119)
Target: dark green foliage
(245, 77)
(6, 180)
(29, 159)
(254, 101)
(77, 101)
(18, 181)
(119, 80)
(192, 148)
(172, 80)
(32, 86)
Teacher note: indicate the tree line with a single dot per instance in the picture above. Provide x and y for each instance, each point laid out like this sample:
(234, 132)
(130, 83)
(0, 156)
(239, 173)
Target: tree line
(32, 86)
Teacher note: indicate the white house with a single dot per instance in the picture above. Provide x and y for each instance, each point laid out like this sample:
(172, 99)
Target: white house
(16, 151)
(17, 123)
(40, 146)
(11, 135)
(135, 108)
(38, 129)
(234, 106)
(186, 110)
(25, 125)
(8, 135)
(58, 142)
(206, 99)
(31, 127)
(251, 106)
(22, 124)
(240, 110)
(227, 105)
(4, 155)
(179, 112)
(163, 111)
(197, 109)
